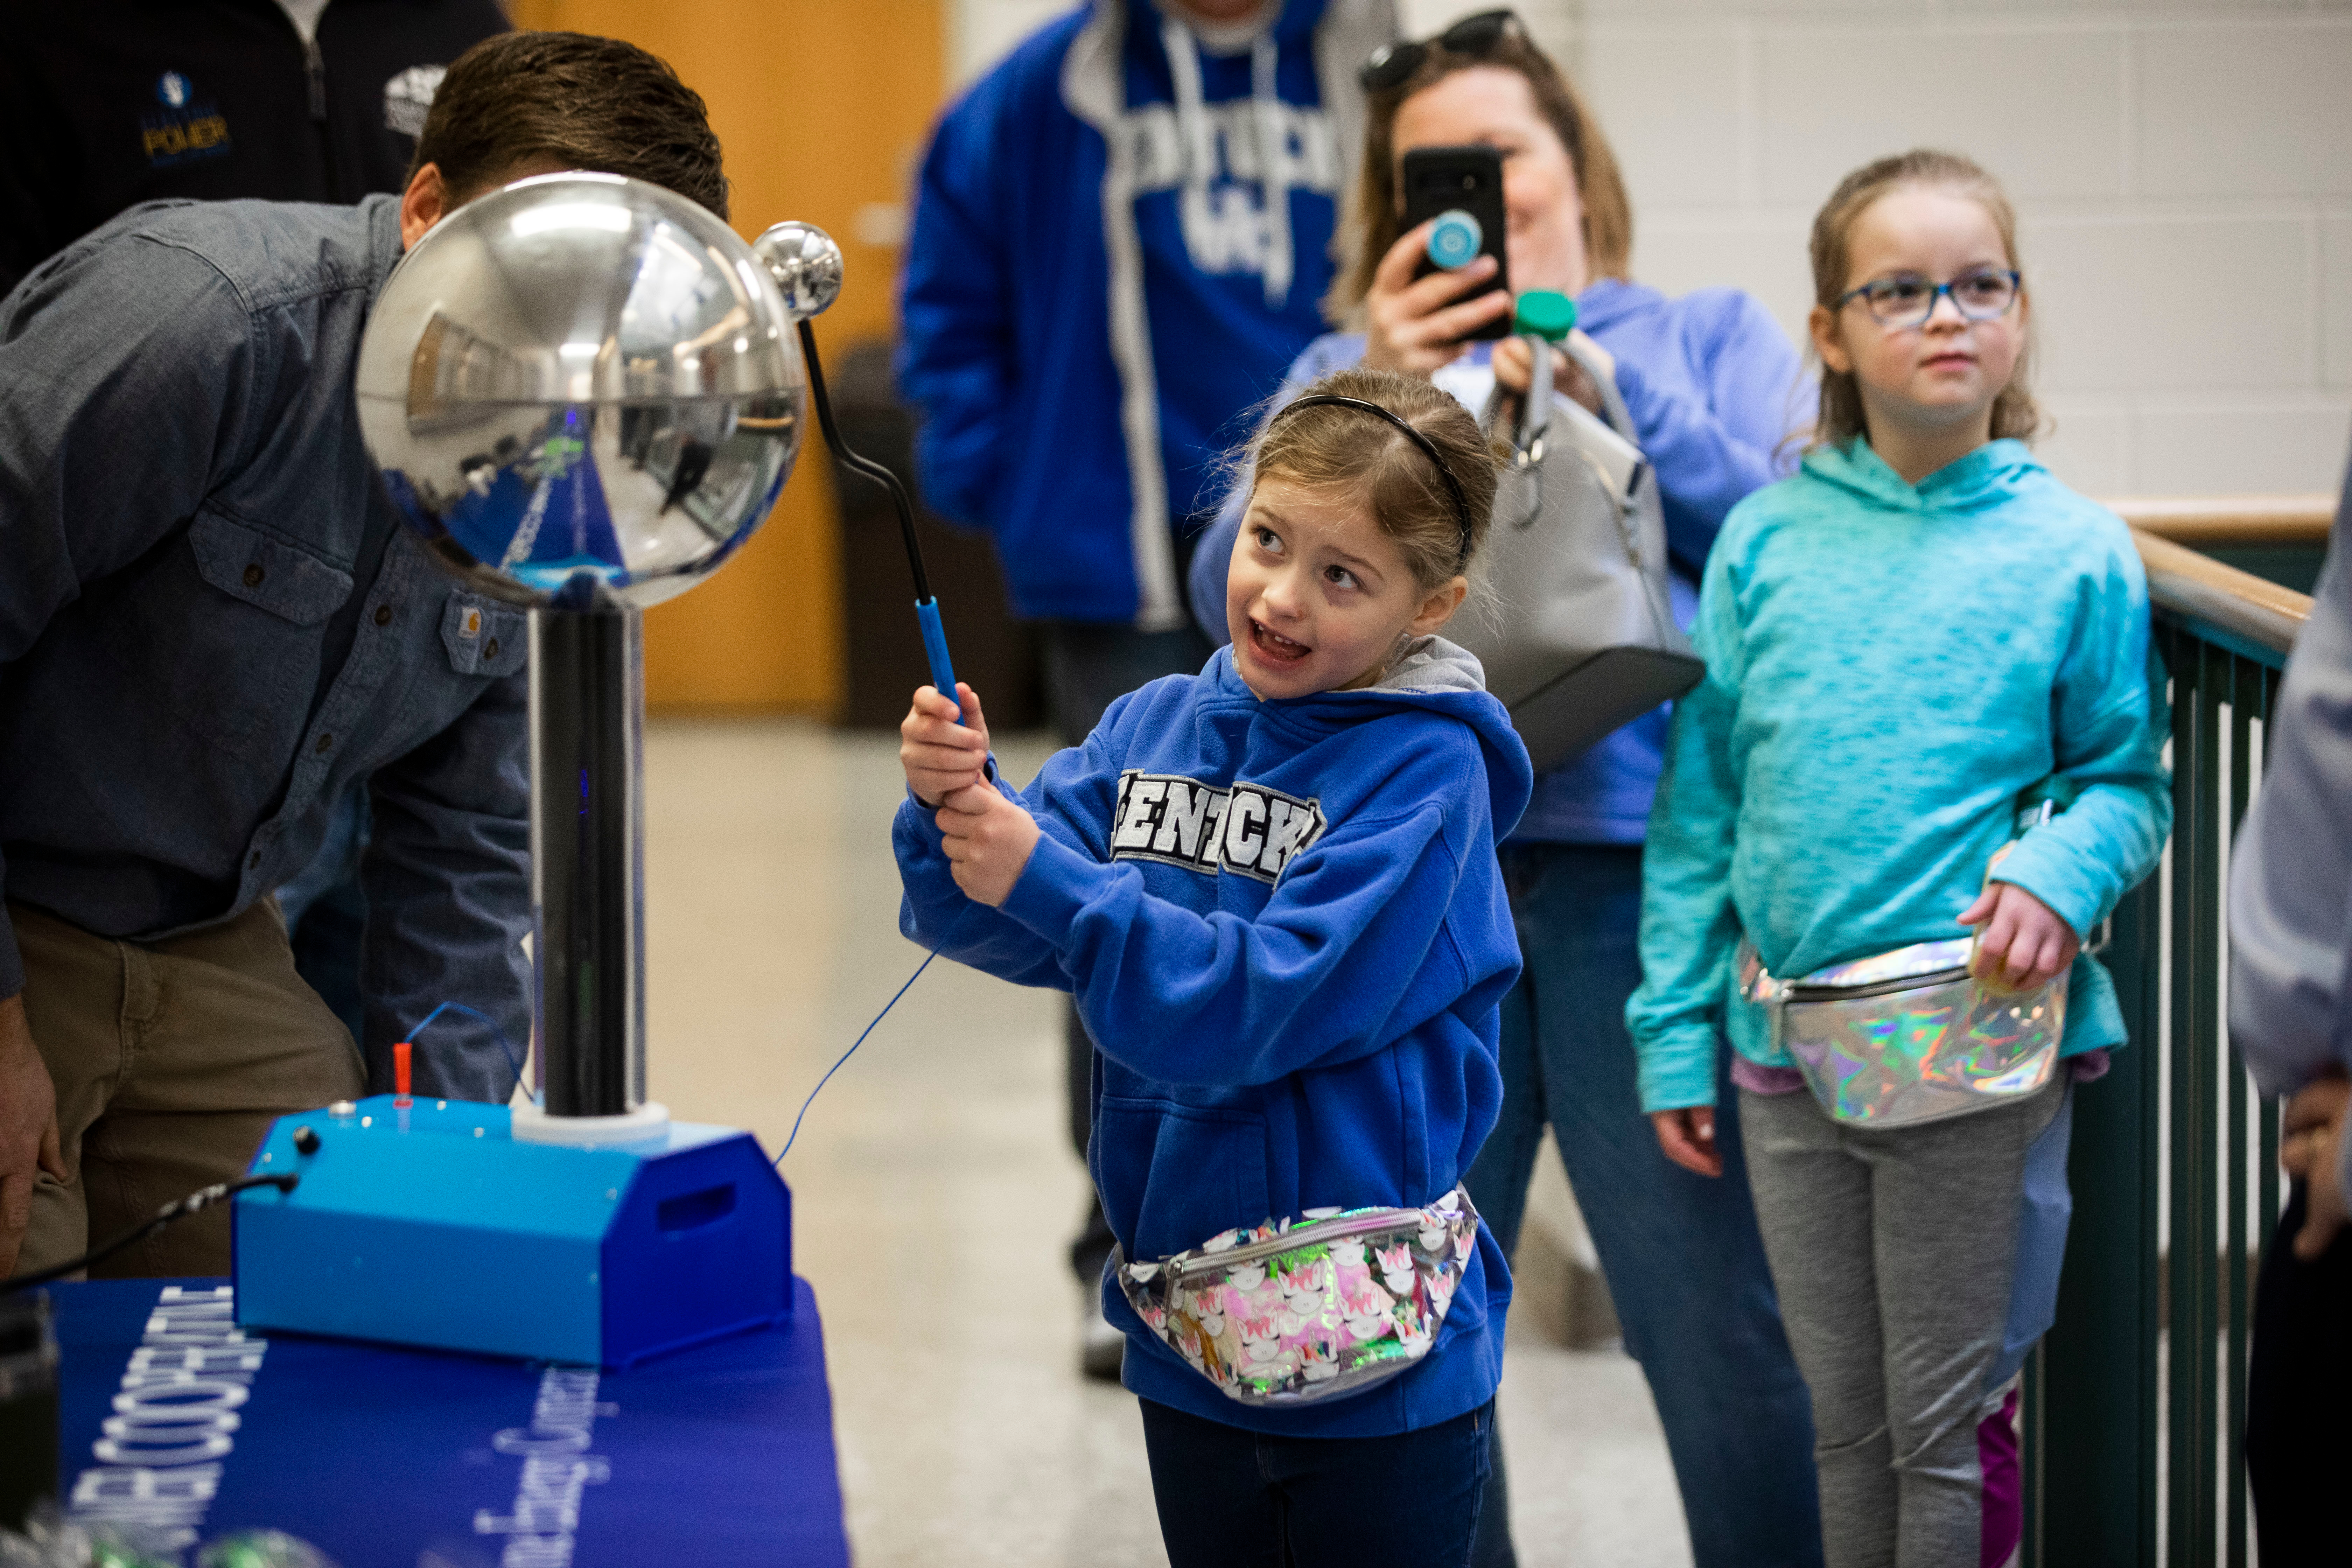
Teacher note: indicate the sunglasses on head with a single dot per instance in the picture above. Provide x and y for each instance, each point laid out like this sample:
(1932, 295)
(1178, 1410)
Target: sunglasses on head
(1392, 65)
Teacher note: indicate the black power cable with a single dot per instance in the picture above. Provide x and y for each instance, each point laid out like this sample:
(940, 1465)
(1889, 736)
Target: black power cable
(180, 1208)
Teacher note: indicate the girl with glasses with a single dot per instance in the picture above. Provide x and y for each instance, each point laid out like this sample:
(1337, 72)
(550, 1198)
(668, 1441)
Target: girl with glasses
(1904, 639)
(1713, 388)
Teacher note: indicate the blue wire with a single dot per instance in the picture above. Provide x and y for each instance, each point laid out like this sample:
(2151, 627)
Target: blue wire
(835, 1067)
(485, 1018)
(851, 1052)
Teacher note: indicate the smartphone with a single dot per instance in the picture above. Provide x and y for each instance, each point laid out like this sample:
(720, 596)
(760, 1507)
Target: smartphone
(1467, 179)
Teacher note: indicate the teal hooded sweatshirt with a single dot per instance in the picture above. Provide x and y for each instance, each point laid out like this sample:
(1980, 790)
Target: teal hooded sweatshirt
(1889, 667)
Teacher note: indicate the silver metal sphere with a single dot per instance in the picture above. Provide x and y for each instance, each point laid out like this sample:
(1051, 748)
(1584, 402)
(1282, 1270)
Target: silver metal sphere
(806, 265)
(582, 389)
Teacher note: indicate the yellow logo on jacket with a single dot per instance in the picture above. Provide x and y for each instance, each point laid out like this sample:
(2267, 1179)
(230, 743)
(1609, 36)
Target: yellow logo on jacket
(181, 130)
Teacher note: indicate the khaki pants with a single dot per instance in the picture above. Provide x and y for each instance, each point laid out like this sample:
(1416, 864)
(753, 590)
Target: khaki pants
(170, 1059)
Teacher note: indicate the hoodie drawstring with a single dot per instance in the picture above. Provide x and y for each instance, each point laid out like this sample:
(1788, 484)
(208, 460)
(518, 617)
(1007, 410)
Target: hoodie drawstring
(1200, 149)
(1274, 167)
(1192, 135)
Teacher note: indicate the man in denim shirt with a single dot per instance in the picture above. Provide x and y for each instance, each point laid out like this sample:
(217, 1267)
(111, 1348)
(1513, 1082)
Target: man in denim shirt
(211, 625)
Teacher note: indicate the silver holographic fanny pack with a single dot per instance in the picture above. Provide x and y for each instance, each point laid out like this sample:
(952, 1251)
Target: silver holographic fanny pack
(1910, 1036)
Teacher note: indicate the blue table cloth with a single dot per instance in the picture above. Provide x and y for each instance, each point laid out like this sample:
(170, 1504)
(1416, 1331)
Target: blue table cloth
(387, 1457)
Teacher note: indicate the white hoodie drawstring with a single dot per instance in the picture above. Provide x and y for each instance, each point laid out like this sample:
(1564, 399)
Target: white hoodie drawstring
(1192, 133)
(1200, 151)
(1274, 167)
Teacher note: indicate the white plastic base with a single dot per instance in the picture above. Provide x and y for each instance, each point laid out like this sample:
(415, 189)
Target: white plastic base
(534, 1125)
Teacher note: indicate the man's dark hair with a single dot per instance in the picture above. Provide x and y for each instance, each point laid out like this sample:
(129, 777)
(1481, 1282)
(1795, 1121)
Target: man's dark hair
(597, 104)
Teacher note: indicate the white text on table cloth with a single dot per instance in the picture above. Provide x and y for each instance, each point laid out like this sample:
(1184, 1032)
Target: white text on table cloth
(159, 1453)
(544, 1518)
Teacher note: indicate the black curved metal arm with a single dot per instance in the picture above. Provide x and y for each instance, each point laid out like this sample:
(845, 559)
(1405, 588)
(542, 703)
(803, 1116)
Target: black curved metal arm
(926, 609)
(864, 465)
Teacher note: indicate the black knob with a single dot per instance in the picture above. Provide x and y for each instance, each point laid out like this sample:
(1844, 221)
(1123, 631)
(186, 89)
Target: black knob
(306, 1140)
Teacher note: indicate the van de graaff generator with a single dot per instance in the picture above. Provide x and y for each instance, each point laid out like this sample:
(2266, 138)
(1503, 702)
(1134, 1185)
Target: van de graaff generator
(584, 392)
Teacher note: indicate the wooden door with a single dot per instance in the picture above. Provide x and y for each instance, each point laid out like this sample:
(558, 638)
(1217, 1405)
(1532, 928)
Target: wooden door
(821, 108)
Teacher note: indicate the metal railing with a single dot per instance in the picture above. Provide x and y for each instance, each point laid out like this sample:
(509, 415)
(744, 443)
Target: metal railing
(2134, 1403)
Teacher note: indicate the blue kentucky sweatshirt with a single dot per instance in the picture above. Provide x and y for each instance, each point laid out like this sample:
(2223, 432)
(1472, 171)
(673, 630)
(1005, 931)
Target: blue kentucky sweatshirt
(1122, 235)
(1887, 667)
(1283, 924)
(1715, 392)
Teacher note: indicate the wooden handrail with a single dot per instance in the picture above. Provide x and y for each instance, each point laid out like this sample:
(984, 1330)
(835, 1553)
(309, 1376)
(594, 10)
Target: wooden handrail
(2209, 522)
(2197, 586)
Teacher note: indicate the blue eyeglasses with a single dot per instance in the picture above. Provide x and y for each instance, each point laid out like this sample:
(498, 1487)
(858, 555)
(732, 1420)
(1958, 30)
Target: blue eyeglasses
(1907, 300)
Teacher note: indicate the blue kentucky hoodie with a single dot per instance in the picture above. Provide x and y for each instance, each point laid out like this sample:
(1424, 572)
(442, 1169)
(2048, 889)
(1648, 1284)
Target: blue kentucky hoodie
(1284, 926)
(1121, 237)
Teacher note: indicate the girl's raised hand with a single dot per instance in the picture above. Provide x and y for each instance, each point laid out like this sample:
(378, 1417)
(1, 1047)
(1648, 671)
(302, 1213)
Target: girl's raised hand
(1688, 1136)
(2024, 943)
(1412, 325)
(989, 838)
(941, 754)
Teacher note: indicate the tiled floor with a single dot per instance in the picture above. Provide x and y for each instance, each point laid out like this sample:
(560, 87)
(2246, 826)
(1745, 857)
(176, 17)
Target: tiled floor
(935, 1190)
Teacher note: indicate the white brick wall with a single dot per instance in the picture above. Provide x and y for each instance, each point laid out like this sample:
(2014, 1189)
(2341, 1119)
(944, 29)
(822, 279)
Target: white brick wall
(982, 32)
(2183, 174)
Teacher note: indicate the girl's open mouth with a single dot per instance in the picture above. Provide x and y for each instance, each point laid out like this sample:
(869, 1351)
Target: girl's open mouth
(1274, 646)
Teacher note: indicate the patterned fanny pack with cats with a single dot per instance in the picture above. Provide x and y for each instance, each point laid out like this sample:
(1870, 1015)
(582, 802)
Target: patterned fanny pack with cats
(1330, 1304)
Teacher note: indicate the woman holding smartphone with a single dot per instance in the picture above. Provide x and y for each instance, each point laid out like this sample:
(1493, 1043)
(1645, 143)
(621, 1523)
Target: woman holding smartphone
(1715, 390)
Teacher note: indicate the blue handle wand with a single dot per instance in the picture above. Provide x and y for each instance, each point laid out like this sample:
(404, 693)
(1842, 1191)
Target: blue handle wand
(926, 607)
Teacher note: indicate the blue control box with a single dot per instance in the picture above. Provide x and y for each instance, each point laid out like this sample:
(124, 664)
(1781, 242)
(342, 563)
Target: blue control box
(432, 1224)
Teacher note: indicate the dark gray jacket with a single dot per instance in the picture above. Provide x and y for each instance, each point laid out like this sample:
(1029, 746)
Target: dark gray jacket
(211, 622)
(2291, 868)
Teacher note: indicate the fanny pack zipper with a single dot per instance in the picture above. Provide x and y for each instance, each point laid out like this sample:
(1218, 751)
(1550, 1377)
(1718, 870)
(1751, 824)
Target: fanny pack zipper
(1337, 1228)
(1795, 992)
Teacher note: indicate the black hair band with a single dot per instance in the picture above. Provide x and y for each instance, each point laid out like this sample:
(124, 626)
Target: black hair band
(1428, 447)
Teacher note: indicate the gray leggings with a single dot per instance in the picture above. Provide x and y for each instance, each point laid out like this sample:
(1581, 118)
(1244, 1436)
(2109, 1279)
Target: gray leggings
(1892, 1253)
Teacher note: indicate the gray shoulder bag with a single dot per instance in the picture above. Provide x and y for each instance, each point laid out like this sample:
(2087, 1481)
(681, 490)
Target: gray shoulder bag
(1578, 637)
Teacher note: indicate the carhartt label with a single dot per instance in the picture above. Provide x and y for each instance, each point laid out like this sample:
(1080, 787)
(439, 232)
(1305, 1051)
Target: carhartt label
(1248, 829)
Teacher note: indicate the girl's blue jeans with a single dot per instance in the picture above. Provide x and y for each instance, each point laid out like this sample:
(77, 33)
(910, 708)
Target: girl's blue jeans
(1683, 1261)
(1231, 1497)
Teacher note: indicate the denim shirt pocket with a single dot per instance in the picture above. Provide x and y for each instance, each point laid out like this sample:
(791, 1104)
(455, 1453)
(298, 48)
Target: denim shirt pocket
(484, 636)
(246, 564)
(228, 634)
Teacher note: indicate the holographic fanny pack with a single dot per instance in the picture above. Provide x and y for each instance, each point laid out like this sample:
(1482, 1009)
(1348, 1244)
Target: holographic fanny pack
(1321, 1308)
(1910, 1036)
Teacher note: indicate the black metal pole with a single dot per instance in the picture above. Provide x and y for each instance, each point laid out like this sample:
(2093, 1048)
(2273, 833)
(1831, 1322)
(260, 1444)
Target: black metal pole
(587, 950)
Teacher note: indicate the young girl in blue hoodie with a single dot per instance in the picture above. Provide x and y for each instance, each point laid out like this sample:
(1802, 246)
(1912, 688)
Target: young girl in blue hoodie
(1272, 890)
(1904, 639)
